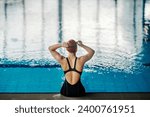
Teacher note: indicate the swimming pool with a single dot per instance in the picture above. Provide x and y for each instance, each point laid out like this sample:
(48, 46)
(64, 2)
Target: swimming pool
(45, 80)
(114, 29)
(24, 78)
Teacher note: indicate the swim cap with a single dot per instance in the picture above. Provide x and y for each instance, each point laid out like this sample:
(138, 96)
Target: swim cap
(72, 46)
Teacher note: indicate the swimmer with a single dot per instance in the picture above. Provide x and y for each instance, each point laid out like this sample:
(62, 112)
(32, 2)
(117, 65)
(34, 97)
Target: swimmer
(72, 66)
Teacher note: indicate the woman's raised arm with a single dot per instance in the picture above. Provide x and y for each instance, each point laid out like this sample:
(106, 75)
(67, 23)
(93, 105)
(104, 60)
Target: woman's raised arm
(90, 52)
(54, 53)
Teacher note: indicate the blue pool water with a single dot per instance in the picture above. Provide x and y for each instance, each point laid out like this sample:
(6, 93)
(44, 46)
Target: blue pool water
(31, 80)
(18, 78)
(118, 31)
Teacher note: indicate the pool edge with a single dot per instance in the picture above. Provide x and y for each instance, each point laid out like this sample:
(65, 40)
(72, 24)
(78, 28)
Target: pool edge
(89, 96)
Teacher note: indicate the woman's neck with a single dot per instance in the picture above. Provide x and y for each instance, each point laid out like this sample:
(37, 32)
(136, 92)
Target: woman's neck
(71, 55)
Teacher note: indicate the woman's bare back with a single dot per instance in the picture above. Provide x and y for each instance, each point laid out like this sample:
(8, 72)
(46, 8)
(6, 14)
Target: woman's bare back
(72, 77)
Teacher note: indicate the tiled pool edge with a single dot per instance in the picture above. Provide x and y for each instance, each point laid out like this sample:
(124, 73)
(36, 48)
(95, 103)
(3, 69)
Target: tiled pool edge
(89, 96)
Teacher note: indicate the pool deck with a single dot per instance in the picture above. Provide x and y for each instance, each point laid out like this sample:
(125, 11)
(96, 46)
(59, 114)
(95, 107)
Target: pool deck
(89, 96)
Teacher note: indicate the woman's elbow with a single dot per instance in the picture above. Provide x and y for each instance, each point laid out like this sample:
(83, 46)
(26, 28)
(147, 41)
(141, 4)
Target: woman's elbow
(50, 48)
(93, 51)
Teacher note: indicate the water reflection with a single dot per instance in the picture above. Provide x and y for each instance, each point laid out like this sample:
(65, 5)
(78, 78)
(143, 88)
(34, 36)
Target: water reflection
(60, 20)
(24, 29)
(114, 28)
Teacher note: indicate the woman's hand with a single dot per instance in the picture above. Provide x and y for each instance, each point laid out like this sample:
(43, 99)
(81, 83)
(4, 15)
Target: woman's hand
(79, 43)
(65, 45)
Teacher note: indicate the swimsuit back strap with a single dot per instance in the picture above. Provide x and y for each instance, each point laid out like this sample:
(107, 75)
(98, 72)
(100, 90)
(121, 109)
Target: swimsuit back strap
(68, 63)
(75, 63)
(72, 69)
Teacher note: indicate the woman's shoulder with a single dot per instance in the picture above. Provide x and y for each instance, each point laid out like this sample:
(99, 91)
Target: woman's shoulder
(81, 59)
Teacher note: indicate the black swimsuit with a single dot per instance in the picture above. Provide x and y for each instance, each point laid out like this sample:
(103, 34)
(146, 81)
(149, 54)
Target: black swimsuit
(75, 90)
